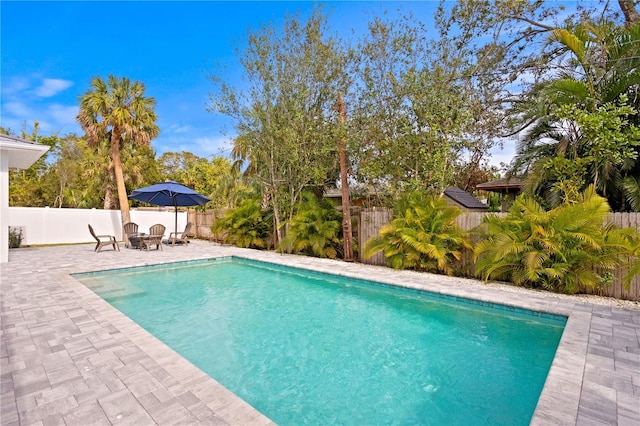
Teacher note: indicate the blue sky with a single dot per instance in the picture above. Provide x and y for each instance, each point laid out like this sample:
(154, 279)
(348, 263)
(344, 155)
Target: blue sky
(51, 50)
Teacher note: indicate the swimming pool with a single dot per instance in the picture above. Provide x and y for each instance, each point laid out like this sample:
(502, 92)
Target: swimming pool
(313, 348)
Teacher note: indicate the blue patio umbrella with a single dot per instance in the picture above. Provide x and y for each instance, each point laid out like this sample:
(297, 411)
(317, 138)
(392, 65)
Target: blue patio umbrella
(169, 193)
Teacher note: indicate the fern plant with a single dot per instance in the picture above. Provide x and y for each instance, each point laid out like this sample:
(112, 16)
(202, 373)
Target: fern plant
(566, 249)
(423, 235)
(315, 229)
(246, 226)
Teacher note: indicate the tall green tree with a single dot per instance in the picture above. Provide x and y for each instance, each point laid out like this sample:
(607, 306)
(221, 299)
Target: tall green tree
(117, 112)
(73, 174)
(215, 178)
(420, 113)
(80, 172)
(284, 117)
(76, 180)
(172, 164)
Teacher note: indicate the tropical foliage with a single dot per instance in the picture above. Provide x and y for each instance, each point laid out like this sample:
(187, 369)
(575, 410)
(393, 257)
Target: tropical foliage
(117, 113)
(32, 187)
(315, 229)
(215, 178)
(586, 114)
(567, 249)
(246, 225)
(73, 174)
(423, 235)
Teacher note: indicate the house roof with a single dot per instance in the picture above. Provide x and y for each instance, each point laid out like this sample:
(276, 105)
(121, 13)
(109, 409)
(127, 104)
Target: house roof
(21, 152)
(501, 185)
(464, 198)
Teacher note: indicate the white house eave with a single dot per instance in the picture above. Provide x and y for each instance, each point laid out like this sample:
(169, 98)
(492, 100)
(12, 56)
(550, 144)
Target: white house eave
(21, 154)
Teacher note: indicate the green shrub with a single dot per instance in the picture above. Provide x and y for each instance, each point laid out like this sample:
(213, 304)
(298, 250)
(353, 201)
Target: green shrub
(423, 235)
(246, 226)
(315, 229)
(566, 249)
(15, 237)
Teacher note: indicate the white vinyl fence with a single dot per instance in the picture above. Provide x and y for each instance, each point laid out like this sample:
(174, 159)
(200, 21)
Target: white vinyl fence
(64, 226)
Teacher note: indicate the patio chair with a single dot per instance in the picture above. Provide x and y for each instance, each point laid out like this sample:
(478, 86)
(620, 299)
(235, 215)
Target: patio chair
(156, 234)
(130, 230)
(104, 240)
(181, 237)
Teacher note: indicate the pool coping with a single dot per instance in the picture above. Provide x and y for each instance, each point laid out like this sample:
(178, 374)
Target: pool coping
(595, 375)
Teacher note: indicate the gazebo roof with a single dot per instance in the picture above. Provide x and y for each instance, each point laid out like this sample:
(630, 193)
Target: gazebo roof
(510, 184)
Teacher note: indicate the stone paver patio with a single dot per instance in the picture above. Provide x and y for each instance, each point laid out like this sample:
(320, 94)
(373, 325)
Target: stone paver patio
(68, 357)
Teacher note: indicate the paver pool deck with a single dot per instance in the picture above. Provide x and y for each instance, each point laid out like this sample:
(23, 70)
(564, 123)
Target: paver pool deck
(68, 357)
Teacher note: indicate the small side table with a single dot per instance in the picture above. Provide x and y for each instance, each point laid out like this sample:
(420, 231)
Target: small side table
(135, 241)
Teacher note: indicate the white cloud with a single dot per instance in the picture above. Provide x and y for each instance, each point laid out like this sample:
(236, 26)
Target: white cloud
(214, 145)
(15, 85)
(174, 128)
(17, 108)
(28, 99)
(202, 146)
(52, 86)
(63, 114)
(502, 155)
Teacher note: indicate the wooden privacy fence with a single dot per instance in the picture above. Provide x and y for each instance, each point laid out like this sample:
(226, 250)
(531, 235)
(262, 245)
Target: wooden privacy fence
(623, 220)
(370, 220)
(203, 221)
(373, 219)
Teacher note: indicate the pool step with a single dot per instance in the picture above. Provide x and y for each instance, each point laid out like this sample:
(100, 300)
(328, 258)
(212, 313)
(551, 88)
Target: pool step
(110, 291)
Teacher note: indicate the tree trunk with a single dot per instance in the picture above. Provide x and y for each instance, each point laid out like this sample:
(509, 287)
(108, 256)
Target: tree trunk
(109, 200)
(631, 15)
(108, 197)
(276, 219)
(117, 170)
(346, 205)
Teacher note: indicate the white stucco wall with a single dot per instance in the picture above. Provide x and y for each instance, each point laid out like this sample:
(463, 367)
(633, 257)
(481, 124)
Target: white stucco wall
(66, 226)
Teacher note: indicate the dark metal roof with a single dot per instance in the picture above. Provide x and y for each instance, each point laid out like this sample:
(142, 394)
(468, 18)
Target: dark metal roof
(464, 198)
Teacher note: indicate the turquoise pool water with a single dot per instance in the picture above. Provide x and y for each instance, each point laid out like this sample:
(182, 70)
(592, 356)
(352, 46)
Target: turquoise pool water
(312, 348)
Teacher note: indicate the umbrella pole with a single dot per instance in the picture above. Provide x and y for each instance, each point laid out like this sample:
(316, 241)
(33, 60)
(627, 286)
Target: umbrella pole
(175, 206)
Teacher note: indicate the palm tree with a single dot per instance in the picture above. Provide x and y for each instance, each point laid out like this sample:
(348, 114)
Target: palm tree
(315, 229)
(423, 235)
(247, 225)
(600, 74)
(567, 249)
(118, 111)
